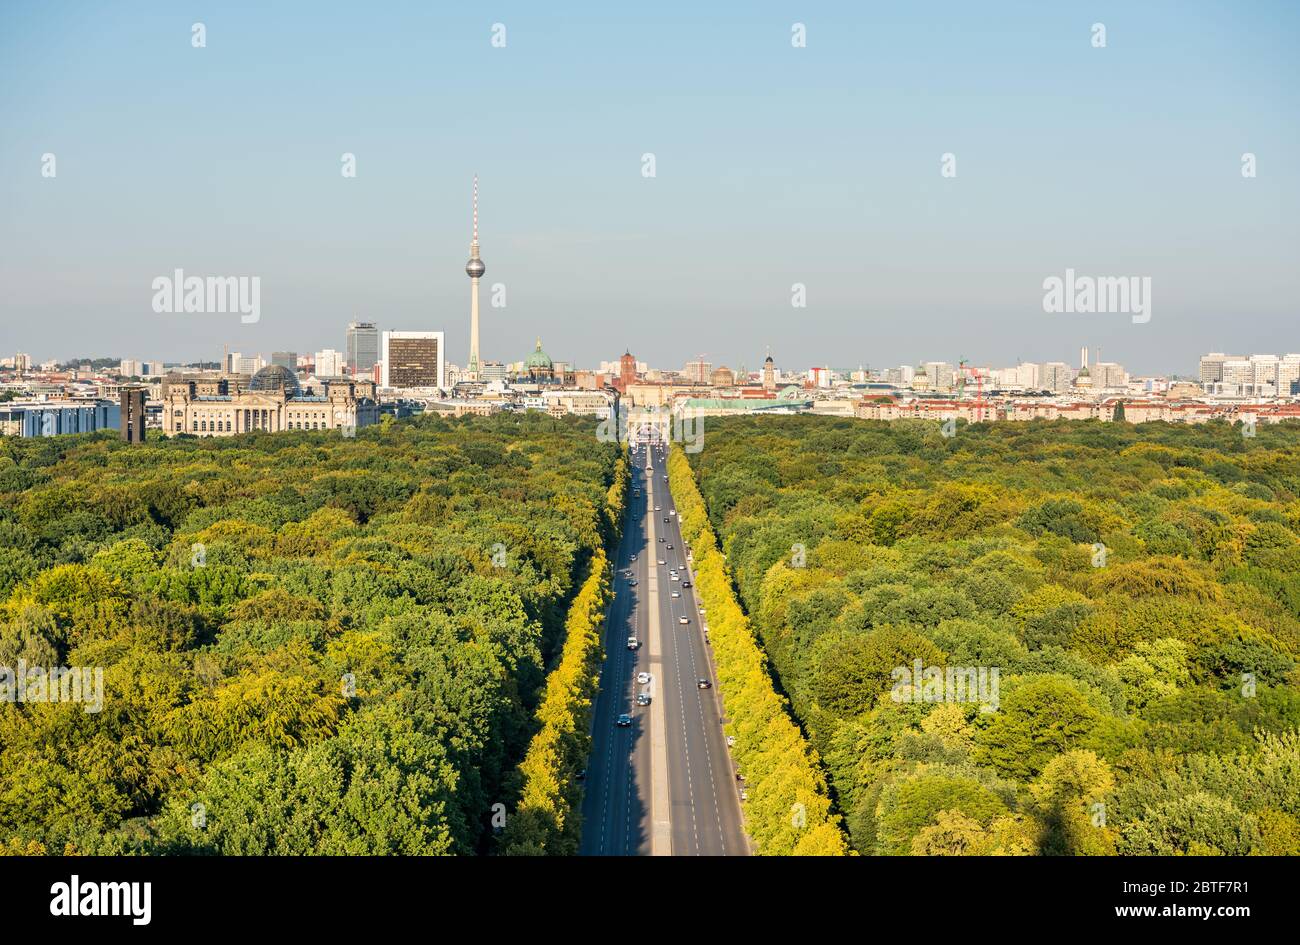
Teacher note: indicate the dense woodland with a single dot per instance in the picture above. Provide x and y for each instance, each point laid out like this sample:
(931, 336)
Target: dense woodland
(311, 644)
(1137, 587)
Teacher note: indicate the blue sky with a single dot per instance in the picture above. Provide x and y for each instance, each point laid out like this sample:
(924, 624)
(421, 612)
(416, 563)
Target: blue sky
(774, 165)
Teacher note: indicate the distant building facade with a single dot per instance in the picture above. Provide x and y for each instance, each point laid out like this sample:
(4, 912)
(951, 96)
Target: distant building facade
(413, 359)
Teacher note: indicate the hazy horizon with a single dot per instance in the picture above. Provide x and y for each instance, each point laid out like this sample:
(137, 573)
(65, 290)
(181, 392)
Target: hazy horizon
(774, 165)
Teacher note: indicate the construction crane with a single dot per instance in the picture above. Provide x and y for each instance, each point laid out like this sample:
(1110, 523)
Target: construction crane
(980, 403)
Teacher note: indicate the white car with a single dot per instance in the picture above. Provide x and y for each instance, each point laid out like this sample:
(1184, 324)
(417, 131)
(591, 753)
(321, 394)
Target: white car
(643, 678)
(683, 620)
(662, 561)
(674, 577)
(633, 643)
(672, 511)
(656, 508)
(676, 594)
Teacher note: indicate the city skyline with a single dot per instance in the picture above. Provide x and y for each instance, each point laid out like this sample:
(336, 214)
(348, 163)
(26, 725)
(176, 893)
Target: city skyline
(796, 183)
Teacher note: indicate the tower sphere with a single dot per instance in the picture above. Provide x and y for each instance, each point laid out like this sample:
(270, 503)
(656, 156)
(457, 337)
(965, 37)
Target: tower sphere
(475, 268)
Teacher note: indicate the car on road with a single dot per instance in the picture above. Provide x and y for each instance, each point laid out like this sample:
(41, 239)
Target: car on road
(662, 561)
(665, 518)
(633, 643)
(672, 511)
(686, 583)
(703, 684)
(643, 698)
(633, 558)
(632, 583)
(683, 620)
(674, 576)
(670, 547)
(661, 538)
(675, 594)
(656, 508)
(623, 721)
(643, 678)
(665, 478)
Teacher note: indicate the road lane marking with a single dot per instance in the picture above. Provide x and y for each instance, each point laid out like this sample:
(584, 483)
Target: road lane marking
(661, 836)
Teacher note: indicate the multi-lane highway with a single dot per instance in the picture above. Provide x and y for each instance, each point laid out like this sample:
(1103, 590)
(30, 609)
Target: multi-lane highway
(665, 783)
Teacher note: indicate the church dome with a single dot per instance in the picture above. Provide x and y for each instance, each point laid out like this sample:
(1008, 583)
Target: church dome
(274, 378)
(538, 360)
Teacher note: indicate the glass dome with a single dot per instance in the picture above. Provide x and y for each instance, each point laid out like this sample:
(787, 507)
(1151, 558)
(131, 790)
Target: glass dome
(275, 377)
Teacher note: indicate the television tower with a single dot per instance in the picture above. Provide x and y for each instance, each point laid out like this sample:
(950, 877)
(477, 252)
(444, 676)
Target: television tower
(474, 269)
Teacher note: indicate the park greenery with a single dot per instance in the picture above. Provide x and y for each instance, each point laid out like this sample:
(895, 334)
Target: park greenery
(1136, 588)
(309, 643)
(788, 811)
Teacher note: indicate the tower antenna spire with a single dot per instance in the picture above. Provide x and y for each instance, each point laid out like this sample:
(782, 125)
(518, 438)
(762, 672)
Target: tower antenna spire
(474, 269)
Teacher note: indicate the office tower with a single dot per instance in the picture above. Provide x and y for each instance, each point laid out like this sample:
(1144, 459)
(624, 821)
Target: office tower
(131, 414)
(329, 363)
(1212, 367)
(362, 347)
(413, 359)
(698, 371)
(474, 269)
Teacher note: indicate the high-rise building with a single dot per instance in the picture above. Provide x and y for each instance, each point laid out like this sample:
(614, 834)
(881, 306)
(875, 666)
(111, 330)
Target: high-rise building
(1212, 367)
(362, 347)
(329, 363)
(22, 362)
(1109, 375)
(1054, 376)
(131, 414)
(769, 374)
(413, 359)
(287, 359)
(697, 372)
(943, 376)
(474, 269)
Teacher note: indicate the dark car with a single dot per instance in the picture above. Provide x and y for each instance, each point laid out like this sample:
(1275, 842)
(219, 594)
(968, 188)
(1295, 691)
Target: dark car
(686, 583)
(665, 518)
(703, 684)
(623, 721)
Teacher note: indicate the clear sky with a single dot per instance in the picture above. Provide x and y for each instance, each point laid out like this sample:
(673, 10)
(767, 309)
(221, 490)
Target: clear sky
(774, 165)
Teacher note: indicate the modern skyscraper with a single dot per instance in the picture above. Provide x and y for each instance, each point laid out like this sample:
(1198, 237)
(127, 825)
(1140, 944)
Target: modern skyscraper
(362, 347)
(474, 269)
(413, 359)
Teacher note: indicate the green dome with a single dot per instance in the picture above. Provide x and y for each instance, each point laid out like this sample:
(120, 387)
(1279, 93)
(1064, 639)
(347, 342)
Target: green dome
(538, 359)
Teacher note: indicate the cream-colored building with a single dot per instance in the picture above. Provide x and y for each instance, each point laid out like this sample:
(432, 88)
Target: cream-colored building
(272, 402)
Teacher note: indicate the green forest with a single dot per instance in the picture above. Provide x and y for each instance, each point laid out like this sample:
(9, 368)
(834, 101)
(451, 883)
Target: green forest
(1131, 595)
(308, 643)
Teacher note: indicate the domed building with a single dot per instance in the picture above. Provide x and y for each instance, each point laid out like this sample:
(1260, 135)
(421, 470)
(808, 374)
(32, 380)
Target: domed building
(723, 377)
(275, 378)
(538, 365)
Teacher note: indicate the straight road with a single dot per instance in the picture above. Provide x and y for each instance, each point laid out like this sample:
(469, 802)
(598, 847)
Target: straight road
(664, 784)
